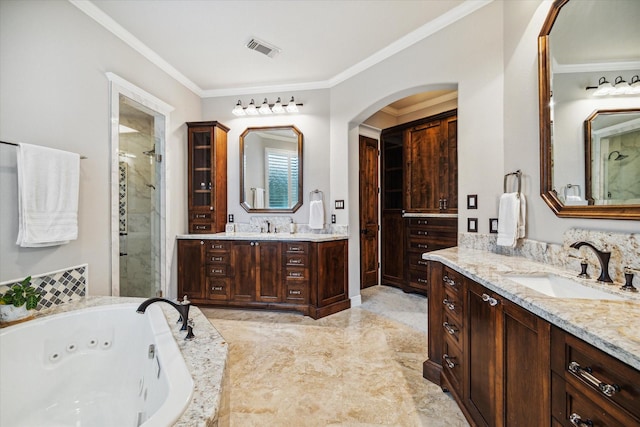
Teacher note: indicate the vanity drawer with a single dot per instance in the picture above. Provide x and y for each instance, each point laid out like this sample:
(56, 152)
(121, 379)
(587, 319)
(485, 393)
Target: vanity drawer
(452, 328)
(297, 292)
(452, 304)
(452, 280)
(585, 366)
(296, 248)
(452, 364)
(447, 224)
(416, 262)
(296, 260)
(422, 245)
(419, 277)
(217, 258)
(218, 245)
(217, 288)
(293, 273)
(217, 270)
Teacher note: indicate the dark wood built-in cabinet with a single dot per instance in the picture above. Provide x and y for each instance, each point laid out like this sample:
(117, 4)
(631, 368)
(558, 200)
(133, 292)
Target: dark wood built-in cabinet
(506, 366)
(207, 182)
(309, 277)
(419, 197)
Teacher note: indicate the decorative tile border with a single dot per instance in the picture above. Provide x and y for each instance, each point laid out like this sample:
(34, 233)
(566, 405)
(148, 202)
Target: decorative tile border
(57, 287)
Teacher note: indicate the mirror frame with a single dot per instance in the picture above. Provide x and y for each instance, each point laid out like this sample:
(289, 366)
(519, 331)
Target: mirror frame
(243, 203)
(549, 195)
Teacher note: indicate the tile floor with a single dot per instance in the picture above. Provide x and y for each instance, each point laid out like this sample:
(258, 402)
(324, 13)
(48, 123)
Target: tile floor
(360, 367)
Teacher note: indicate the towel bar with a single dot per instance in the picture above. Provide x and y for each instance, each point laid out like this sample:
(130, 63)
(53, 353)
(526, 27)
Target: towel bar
(14, 144)
(518, 175)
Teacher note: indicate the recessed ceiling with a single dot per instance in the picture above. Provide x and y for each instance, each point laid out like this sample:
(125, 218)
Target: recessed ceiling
(322, 42)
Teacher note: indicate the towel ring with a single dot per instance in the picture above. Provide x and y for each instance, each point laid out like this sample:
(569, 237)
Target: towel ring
(518, 175)
(316, 195)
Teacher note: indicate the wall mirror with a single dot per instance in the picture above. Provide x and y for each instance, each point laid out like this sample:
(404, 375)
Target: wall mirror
(582, 44)
(271, 169)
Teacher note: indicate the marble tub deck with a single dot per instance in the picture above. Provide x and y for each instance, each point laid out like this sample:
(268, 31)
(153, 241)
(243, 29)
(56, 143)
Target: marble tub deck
(359, 367)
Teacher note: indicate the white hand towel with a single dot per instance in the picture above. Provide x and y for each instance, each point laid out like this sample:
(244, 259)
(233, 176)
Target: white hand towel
(258, 202)
(522, 217)
(509, 219)
(316, 214)
(48, 187)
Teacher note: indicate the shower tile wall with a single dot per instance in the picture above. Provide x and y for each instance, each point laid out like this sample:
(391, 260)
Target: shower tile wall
(624, 174)
(138, 246)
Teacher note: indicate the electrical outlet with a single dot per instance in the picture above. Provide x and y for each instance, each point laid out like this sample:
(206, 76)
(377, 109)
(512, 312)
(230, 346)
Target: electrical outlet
(333, 218)
(230, 217)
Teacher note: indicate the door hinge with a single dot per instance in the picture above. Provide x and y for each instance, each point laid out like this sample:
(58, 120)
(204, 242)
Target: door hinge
(159, 158)
(378, 265)
(378, 190)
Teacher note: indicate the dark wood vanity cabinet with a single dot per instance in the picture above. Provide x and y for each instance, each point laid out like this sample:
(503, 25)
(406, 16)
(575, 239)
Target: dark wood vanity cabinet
(309, 277)
(506, 366)
(419, 194)
(207, 177)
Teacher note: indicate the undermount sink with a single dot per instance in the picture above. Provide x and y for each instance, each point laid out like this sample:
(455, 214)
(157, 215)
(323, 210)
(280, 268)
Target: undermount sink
(561, 287)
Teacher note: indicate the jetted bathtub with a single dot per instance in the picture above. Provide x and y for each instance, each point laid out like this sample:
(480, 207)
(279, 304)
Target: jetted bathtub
(102, 366)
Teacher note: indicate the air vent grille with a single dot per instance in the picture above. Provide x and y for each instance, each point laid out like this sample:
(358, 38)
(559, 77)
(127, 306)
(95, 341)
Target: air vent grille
(263, 47)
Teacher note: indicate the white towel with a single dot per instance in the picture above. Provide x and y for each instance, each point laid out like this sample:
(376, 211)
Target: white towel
(48, 187)
(511, 219)
(258, 198)
(316, 214)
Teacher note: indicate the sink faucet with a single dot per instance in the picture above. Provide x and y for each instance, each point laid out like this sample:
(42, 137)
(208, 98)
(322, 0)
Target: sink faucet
(603, 258)
(182, 307)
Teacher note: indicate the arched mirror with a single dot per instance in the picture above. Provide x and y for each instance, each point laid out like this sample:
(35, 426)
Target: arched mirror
(585, 48)
(271, 169)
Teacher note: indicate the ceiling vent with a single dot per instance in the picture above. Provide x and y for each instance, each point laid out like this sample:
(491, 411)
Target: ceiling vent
(263, 47)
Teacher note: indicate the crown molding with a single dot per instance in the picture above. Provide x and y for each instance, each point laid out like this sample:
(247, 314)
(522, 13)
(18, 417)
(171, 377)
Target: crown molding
(431, 27)
(116, 29)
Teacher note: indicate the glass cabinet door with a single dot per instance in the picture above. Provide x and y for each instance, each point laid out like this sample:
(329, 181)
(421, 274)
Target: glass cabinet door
(201, 168)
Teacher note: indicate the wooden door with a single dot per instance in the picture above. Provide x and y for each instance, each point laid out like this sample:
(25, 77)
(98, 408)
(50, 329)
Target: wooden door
(393, 265)
(269, 271)
(243, 261)
(191, 269)
(368, 212)
(449, 164)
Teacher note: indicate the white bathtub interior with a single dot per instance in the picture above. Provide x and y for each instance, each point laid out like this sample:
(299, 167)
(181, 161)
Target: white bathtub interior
(102, 366)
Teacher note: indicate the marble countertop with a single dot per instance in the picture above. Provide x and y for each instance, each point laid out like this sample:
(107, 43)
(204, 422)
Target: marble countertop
(205, 356)
(283, 237)
(610, 325)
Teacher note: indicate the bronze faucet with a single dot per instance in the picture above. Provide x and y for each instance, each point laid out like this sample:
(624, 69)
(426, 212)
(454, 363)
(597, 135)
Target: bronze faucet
(182, 307)
(603, 258)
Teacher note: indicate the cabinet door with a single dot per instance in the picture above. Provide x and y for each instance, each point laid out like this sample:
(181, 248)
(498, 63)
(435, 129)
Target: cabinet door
(422, 171)
(449, 165)
(191, 262)
(269, 271)
(243, 260)
(481, 376)
(332, 276)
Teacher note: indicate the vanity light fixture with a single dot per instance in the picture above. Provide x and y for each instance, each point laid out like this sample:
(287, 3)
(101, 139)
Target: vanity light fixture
(620, 87)
(251, 110)
(265, 108)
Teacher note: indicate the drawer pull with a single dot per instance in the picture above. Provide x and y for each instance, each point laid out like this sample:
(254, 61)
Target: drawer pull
(295, 249)
(201, 227)
(449, 361)
(449, 328)
(422, 262)
(216, 258)
(576, 420)
(201, 215)
(422, 233)
(451, 306)
(449, 281)
(492, 301)
(292, 292)
(585, 373)
(217, 288)
(423, 222)
(216, 246)
(420, 280)
(217, 271)
(295, 274)
(295, 261)
(422, 246)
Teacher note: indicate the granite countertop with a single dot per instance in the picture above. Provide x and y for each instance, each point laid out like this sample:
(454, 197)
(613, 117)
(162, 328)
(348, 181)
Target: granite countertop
(610, 325)
(283, 237)
(205, 357)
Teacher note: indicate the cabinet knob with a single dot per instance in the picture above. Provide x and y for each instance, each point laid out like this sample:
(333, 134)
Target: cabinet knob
(492, 301)
(577, 420)
(449, 361)
(210, 208)
(201, 242)
(446, 279)
(451, 330)
(451, 306)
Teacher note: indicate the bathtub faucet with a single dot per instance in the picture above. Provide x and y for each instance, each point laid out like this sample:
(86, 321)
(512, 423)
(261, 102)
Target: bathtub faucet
(181, 306)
